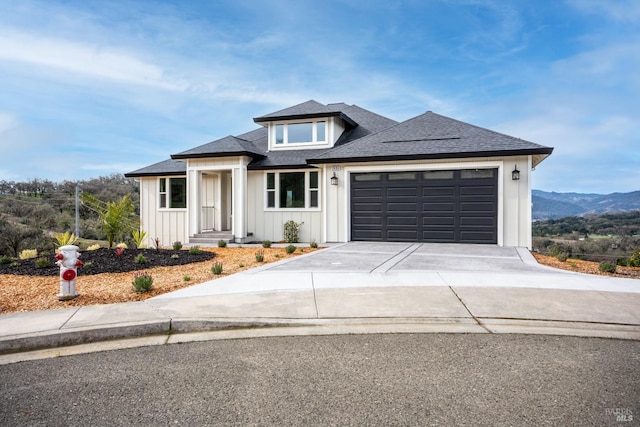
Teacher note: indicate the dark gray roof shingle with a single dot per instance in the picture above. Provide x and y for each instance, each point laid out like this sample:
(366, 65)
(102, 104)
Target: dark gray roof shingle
(166, 167)
(227, 146)
(429, 135)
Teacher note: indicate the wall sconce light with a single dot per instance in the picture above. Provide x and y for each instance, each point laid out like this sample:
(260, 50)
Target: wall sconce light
(334, 179)
(515, 175)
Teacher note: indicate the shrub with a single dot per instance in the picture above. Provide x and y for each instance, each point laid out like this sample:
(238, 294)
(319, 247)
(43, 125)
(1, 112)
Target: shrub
(119, 252)
(634, 261)
(607, 267)
(142, 282)
(562, 256)
(93, 247)
(156, 243)
(28, 254)
(260, 256)
(313, 244)
(6, 260)
(122, 245)
(43, 262)
(116, 217)
(216, 268)
(290, 249)
(140, 259)
(291, 231)
(241, 265)
(186, 278)
(138, 238)
(65, 238)
(177, 246)
(276, 255)
(266, 243)
(87, 265)
(194, 250)
(222, 244)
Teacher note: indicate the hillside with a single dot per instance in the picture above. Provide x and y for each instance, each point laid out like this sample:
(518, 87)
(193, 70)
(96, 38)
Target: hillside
(548, 205)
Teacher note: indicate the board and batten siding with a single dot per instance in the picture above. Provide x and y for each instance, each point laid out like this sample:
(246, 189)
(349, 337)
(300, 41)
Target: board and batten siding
(168, 225)
(514, 197)
(269, 224)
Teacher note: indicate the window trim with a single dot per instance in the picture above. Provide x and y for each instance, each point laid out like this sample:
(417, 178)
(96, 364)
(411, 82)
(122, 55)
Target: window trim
(167, 193)
(307, 191)
(284, 126)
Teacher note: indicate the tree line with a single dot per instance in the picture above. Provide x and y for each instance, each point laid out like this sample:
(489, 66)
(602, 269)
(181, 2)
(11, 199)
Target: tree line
(31, 211)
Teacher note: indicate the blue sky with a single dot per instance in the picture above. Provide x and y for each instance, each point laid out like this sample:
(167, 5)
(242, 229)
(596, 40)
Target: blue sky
(93, 88)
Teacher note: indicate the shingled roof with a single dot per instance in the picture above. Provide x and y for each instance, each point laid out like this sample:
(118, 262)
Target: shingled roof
(308, 110)
(368, 137)
(430, 136)
(166, 167)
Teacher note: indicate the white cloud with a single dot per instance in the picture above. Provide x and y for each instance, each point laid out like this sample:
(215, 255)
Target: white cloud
(617, 10)
(84, 59)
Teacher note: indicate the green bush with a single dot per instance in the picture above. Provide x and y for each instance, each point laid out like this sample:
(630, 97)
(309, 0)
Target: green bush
(6, 260)
(43, 262)
(222, 244)
(260, 256)
(216, 268)
(562, 256)
(313, 244)
(291, 231)
(177, 246)
(140, 259)
(607, 267)
(138, 238)
(194, 250)
(186, 278)
(142, 282)
(290, 249)
(266, 244)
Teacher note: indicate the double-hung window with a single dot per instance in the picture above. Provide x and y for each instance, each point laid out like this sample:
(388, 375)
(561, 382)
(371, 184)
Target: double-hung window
(292, 190)
(172, 193)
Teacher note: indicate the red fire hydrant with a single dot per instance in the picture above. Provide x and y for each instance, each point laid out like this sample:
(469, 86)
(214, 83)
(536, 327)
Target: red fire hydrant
(68, 260)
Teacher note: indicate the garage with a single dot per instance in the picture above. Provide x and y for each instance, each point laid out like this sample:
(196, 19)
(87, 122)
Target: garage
(445, 206)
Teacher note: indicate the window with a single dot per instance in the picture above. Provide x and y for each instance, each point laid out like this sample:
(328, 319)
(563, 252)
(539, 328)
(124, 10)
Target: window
(292, 190)
(173, 193)
(300, 133)
(476, 173)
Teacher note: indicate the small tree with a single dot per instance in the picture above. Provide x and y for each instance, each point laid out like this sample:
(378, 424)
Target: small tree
(117, 217)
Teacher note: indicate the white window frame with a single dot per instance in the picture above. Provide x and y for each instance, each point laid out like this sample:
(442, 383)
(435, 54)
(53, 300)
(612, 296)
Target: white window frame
(167, 193)
(285, 134)
(307, 191)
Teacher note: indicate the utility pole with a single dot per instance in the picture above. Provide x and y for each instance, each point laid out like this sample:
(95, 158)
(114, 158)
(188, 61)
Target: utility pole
(77, 210)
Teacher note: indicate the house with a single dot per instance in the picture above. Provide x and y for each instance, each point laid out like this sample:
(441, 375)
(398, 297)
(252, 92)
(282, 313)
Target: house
(346, 174)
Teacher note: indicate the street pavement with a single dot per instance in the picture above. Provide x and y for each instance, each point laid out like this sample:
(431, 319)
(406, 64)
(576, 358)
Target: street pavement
(351, 380)
(357, 287)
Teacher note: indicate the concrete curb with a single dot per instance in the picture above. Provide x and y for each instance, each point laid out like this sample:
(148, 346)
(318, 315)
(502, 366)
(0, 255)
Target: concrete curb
(186, 330)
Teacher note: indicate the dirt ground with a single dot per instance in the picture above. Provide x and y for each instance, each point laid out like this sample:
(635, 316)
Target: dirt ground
(29, 293)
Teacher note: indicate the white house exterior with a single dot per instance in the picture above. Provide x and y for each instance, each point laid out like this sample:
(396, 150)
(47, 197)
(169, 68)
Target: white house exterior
(346, 174)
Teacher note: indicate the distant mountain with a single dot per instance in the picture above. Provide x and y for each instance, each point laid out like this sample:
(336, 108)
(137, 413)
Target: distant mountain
(548, 205)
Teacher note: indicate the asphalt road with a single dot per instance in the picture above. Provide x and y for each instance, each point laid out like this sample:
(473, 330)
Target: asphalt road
(422, 380)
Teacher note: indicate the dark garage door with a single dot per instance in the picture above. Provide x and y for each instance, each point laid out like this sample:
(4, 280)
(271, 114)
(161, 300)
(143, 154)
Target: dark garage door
(452, 206)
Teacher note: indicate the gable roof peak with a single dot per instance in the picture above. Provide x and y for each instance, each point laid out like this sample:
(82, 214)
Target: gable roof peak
(308, 109)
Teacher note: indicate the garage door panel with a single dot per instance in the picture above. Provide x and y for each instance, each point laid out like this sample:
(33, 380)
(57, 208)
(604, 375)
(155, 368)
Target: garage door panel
(402, 192)
(438, 207)
(476, 207)
(402, 220)
(403, 235)
(402, 207)
(438, 192)
(364, 220)
(474, 191)
(438, 221)
(374, 235)
(477, 221)
(367, 192)
(368, 207)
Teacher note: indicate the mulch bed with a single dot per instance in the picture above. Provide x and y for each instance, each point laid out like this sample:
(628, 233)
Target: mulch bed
(20, 292)
(105, 260)
(589, 267)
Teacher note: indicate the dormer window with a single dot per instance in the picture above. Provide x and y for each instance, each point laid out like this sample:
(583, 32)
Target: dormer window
(312, 132)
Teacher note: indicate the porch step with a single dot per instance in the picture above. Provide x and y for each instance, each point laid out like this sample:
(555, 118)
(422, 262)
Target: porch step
(211, 237)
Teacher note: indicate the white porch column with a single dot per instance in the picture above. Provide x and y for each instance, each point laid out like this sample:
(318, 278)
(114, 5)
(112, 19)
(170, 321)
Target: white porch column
(193, 201)
(239, 204)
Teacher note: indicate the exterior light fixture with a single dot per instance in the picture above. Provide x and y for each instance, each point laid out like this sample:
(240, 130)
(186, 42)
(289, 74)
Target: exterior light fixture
(334, 179)
(515, 175)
